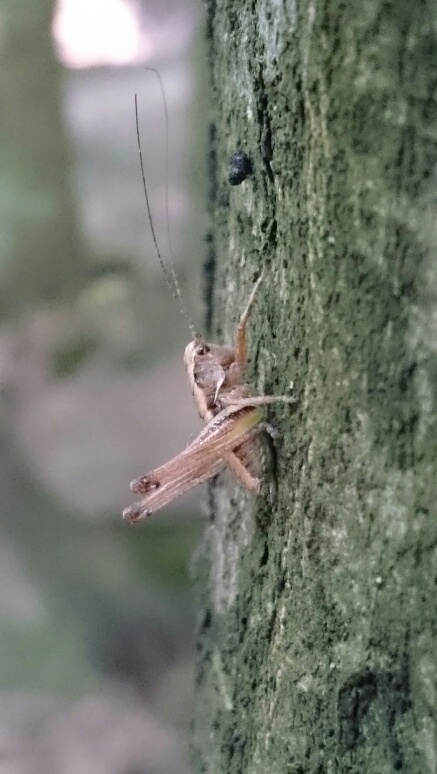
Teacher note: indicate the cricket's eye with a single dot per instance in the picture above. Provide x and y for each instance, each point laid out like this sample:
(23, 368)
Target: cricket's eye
(203, 349)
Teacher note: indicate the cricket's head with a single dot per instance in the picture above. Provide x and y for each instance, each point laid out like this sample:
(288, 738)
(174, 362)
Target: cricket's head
(197, 353)
(207, 367)
(201, 356)
(198, 348)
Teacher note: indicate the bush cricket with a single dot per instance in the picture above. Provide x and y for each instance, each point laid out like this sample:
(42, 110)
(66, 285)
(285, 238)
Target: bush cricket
(232, 414)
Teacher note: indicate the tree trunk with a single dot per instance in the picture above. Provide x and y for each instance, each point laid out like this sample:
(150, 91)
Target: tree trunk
(317, 639)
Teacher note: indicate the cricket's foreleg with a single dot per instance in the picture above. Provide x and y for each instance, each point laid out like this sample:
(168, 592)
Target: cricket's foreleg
(240, 343)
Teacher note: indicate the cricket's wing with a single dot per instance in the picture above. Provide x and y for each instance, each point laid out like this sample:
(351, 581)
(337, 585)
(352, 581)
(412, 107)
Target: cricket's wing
(201, 460)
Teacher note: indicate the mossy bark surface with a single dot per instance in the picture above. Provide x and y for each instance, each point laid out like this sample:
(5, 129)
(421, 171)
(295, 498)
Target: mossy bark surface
(317, 633)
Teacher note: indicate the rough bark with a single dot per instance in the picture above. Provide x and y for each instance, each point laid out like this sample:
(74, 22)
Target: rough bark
(317, 637)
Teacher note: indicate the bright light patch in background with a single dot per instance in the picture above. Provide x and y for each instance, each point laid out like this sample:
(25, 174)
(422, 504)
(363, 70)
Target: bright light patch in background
(98, 32)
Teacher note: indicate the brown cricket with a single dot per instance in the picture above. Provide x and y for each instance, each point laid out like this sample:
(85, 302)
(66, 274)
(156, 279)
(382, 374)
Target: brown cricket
(232, 414)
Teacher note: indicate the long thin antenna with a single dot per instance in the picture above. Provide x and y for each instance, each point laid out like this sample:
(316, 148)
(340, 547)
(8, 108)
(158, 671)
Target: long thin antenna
(170, 278)
(167, 146)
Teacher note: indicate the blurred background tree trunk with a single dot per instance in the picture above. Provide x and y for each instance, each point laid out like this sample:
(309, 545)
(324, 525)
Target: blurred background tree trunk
(37, 215)
(316, 641)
